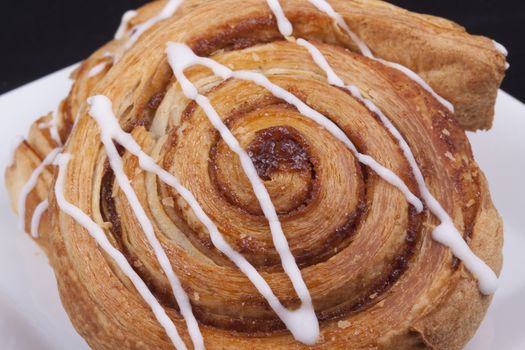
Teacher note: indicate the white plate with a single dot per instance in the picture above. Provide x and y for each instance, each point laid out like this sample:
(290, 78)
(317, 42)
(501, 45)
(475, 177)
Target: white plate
(31, 316)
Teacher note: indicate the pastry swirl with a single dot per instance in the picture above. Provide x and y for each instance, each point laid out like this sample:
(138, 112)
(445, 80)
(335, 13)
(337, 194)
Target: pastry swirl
(228, 183)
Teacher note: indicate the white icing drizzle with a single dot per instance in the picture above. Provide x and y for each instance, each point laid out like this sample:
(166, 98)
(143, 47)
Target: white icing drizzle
(15, 143)
(301, 322)
(325, 7)
(31, 183)
(128, 16)
(502, 49)
(52, 125)
(446, 233)
(101, 111)
(285, 27)
(45, 125)
(165, 13)
(99, 68)
(321, 61)
(37, 215)
(99, 235)
(415, 77)
(181, 56)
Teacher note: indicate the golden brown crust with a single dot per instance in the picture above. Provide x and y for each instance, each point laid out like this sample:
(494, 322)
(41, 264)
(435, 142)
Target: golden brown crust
(377, 278)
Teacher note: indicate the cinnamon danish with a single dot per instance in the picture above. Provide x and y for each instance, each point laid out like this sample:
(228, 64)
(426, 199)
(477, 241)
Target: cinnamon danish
(270, 174)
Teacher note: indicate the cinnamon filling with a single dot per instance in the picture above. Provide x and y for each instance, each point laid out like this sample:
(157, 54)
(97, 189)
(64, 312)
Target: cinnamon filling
(278, 148)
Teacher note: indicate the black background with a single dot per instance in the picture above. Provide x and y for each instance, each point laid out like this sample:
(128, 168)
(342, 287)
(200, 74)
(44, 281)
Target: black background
(38, 37)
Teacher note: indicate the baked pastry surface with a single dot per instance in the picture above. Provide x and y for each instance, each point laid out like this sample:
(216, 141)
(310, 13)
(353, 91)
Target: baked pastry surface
(366, 252)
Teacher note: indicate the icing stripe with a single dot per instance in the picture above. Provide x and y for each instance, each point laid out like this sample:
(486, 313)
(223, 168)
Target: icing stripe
(37, 215)
(502, 49)
(415, 77)
(182, 57)
(99, 68)
(99, 235)
(285, 27)
(123, 27)
(446, 233)
(96, 70)
(101, 111)
(325, 7)
(321, 61)
(301, 322)
(165, 13)
(31, 183)
(52, 125)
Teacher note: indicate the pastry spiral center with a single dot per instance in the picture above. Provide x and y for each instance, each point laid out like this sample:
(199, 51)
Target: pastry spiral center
(281, 158)
(278, 150)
